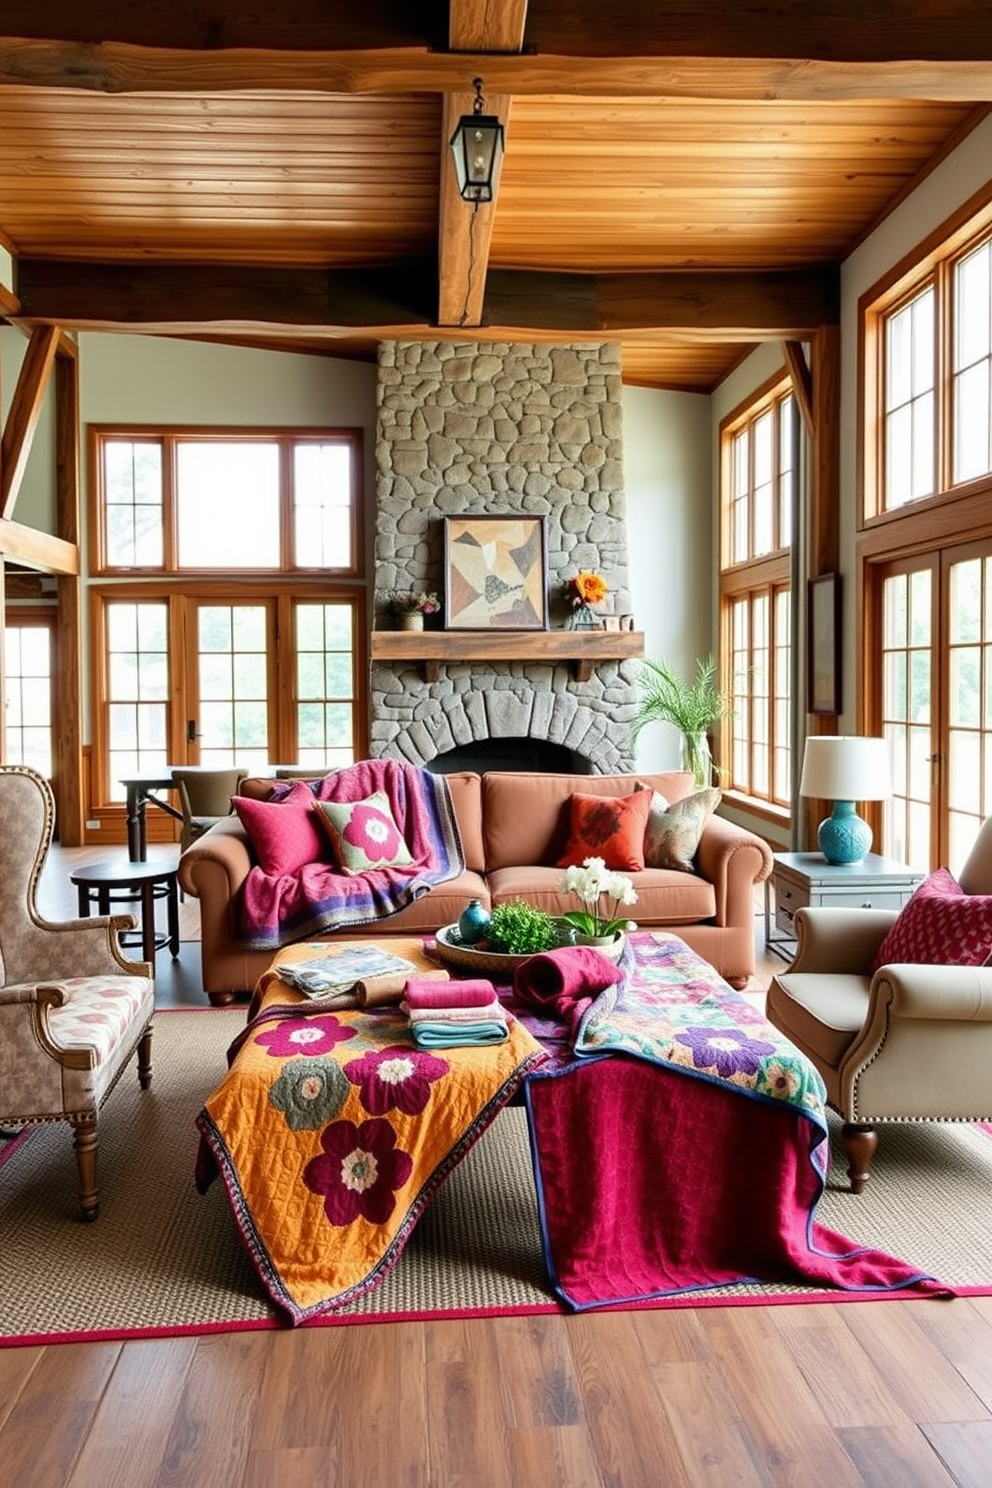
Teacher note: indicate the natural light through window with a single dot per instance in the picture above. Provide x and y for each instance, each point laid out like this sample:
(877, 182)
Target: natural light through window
(228, 505)
(757, 494)
(909, 402)
(972, 355)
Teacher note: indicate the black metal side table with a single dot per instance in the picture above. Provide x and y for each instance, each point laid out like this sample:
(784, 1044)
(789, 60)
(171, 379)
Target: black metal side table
(104, 884)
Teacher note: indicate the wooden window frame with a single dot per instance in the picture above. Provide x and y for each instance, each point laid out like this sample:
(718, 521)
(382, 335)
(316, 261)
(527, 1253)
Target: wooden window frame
(278, 592)
(286, 438)
(931, 262)
(766, 574)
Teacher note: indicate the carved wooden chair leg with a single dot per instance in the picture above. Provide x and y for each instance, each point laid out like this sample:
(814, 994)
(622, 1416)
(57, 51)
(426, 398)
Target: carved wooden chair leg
(860, 1143)
(145, 1058)
(84, 1141)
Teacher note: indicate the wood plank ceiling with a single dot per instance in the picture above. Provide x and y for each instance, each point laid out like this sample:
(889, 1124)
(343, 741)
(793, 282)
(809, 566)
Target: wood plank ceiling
(684, 181)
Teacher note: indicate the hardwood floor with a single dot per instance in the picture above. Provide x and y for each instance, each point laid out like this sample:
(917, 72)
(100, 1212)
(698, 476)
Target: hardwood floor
(839, 1395)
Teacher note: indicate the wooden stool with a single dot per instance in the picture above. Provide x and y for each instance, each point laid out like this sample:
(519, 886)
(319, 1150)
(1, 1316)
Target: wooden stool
(105, 884)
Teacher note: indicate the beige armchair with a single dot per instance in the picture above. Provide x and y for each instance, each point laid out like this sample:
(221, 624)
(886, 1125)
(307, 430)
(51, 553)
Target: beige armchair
(204, 798)
(73, 1009)
(909, 1043)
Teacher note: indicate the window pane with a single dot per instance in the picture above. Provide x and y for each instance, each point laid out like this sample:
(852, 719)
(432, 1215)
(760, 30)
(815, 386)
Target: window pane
(233, 675)
(924, 478)
(228, 505)
(322, 506)
(137, 683)
(28, 684)
(971, 423)
(972, 308)
(133, 504)
(324, 683)
(909, 404)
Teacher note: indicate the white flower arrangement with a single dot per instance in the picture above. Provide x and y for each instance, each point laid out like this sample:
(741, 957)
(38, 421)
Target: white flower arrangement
(591, 883)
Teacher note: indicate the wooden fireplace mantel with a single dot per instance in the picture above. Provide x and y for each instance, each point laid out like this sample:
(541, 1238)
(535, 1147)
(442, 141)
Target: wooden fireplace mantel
(434, 648)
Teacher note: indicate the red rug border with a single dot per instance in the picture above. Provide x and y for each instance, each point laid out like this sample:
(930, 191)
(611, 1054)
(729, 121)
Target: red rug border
(530, 1309)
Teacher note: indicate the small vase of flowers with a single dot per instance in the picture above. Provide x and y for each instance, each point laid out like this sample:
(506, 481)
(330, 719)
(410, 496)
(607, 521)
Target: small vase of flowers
(594, 884)
(411, 605)
(584, 590)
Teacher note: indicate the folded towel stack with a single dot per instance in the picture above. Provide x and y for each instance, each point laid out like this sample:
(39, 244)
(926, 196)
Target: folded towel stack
(451, 1014)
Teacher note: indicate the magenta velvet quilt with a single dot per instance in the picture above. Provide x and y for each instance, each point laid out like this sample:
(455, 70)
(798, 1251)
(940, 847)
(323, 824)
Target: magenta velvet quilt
(277, 910)
(680, 1143)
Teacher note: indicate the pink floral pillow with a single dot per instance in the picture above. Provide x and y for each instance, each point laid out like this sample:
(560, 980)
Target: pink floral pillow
(941, 925)
(364, 834)
(285, 833)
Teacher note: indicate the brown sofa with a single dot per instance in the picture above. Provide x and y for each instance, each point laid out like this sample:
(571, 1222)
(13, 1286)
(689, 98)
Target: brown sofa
(513, 827)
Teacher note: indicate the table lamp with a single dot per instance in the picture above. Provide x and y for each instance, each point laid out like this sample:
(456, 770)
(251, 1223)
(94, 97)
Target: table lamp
(843, 768)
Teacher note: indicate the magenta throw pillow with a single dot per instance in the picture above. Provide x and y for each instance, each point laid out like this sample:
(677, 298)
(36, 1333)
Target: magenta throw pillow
(940, 925)
(285, 834)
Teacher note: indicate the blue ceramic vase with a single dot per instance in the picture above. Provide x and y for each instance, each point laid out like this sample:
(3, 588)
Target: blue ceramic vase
(473, 922)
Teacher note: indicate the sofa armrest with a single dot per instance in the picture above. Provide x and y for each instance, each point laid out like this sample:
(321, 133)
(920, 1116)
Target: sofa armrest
(951, 993)
(843, 941)
(733, 860)
(222, 854)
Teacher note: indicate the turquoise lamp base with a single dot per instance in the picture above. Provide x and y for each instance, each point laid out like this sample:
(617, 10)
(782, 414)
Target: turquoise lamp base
(844, 837)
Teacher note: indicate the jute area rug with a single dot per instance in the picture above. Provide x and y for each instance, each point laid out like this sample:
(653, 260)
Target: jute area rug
(164, 1259)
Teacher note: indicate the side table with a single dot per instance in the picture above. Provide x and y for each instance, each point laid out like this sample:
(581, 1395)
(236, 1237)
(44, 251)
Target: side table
(799, 879)
(111, 883)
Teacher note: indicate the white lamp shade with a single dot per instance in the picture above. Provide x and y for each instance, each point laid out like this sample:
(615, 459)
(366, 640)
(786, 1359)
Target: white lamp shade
(844, 767)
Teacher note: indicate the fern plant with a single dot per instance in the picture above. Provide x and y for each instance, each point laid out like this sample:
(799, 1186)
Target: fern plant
(665, 697)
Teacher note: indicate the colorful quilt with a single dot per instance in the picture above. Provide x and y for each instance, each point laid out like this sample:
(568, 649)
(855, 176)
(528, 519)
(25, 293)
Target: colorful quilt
(332, 1131)
(276, 910)
(681, 1144)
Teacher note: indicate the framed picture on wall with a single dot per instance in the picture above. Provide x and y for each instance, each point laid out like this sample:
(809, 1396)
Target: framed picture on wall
(823, 648)
(495, 573)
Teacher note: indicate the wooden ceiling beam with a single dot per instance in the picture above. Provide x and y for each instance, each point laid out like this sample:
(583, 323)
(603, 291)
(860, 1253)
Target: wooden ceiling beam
(25, 410)
(465, 232)
(175, 299)
(802, 382)
(115, 67)
(832, 30)
(38, 550)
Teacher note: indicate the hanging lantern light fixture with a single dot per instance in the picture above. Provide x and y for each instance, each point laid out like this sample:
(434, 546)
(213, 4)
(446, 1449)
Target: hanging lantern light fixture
(477, 145)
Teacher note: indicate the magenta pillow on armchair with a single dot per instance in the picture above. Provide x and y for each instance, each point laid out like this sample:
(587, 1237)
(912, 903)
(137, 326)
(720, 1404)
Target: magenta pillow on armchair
(285, 834)
(940, 925)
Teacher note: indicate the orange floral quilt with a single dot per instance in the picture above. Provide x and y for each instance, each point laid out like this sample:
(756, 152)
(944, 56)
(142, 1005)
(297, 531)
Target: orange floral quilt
(332, 1131)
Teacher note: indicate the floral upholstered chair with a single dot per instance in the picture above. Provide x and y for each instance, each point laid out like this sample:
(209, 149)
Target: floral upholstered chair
(73, 1009)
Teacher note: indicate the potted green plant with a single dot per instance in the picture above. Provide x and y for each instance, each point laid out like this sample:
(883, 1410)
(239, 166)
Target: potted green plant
(693, 707)
(520, 929)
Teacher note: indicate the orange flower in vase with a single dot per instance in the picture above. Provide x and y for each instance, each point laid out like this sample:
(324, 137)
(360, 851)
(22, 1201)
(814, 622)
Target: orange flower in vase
(585, 590)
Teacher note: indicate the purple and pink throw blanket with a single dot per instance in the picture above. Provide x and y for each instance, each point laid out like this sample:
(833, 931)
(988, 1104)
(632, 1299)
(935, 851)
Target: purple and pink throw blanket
(680, 1142)
(278, 910)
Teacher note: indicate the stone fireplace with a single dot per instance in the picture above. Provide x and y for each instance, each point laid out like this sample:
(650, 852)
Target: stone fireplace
(492, 429)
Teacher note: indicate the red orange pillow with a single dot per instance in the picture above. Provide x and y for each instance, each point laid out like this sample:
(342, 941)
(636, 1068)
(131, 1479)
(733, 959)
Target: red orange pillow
(608, 827)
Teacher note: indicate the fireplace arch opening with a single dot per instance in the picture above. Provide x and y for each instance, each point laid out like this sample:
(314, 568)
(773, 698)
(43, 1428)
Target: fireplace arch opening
(541, 755)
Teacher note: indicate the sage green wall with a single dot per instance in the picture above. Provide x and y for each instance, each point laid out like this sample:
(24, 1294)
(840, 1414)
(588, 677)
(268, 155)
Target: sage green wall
(667, 478)
(35, 505)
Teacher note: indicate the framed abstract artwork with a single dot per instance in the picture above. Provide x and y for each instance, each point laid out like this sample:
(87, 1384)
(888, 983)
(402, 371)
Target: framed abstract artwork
(823, 653)
(495, 573)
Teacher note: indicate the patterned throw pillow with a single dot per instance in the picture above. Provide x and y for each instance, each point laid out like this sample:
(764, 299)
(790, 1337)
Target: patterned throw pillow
(673, 832)
(608, 827)
(364, 834)
(940, 925)
(285, 833)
